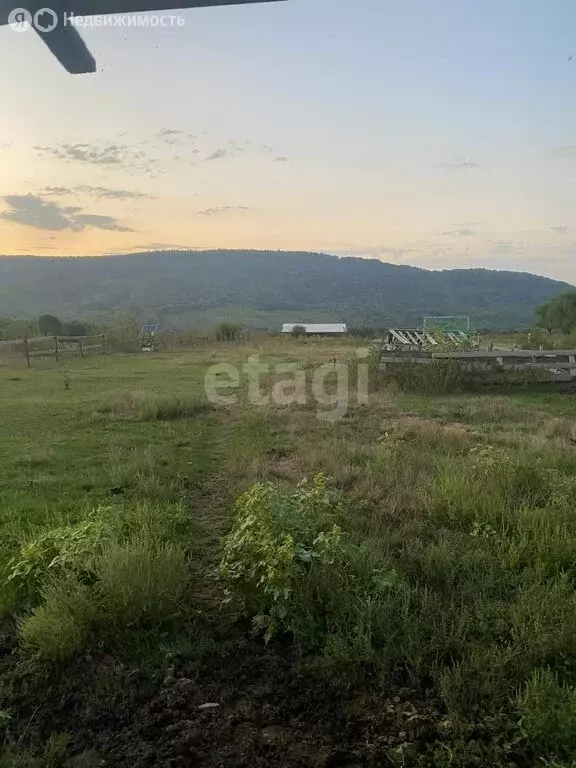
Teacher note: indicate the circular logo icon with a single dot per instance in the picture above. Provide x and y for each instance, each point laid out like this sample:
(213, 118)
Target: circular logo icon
(45, 20)
(20, 19)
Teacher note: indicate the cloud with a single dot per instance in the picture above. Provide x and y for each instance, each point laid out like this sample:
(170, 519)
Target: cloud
(560, 229)
(232, 149)
(162, 247)
(170, 136)
(106, 154)
(459, 163)
(235, 148)
(83, 220)
(218, 154)
(57, 191)
(464, 232)
(33, 211)
(98, 193)
(223, 209)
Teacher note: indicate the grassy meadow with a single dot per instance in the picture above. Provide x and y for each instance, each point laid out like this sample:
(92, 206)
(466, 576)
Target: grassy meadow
(431, 548)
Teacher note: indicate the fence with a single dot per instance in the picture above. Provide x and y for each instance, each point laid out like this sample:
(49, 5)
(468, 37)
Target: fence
(555, 365)
(55, 347)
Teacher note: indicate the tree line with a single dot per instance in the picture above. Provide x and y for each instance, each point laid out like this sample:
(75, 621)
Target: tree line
(558, 314)
(45, 325)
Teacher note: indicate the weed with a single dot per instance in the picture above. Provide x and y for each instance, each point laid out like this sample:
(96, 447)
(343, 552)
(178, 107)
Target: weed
(548, 715)
(141, 406)
(141, 581)
(60, 626)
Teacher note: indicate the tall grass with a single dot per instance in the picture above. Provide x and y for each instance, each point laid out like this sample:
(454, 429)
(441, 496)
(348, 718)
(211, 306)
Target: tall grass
(143, 406)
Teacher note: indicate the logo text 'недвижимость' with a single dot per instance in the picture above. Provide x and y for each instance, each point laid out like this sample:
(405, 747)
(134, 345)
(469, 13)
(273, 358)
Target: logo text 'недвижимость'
(45, 20)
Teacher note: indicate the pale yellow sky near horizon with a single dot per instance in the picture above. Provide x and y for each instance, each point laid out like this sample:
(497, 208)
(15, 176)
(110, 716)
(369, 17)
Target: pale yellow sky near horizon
(287, 127)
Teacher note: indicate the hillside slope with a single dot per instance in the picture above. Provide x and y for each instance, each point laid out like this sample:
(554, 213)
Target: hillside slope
(264, 288)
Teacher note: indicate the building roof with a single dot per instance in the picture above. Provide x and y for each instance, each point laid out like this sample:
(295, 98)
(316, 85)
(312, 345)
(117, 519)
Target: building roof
(316, 327)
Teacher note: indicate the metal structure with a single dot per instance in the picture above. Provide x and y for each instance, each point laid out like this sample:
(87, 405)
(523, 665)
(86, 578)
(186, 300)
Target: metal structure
(408, 338)
(148, 337)
(54, 21)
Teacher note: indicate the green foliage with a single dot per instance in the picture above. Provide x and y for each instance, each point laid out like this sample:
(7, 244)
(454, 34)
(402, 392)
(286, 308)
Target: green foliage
(49, 325)
(141, 581)
(298, 331)
(548, 715)
(135, 583)
(123, 334)
(436, 377)
(444, 344)
(265, 288)
(559, 314)
(298, 573)
(228, 332)
(276, 535)
(17, 329)
(59, 550)
(143, 406)
(61, 625)
(74, 328)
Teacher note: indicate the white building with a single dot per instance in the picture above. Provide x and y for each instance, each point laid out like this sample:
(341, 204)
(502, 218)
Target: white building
(320, 329)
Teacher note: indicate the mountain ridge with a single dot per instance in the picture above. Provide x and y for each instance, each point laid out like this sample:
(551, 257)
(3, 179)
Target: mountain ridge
(180, 288)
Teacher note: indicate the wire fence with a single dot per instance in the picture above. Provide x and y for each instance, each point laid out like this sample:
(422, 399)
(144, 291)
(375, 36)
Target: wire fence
(54, 347)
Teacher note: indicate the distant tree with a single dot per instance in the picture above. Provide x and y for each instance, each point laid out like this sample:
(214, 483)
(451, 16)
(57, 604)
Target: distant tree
(74, 328)
(228, 332)
(48, 325)
(559, 314)
(17, 329)
(298, 330)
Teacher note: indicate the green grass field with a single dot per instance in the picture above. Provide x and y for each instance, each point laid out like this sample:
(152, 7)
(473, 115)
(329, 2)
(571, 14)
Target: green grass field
(444, 565)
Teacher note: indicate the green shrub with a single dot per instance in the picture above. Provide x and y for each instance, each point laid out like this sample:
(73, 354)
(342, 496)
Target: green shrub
(61, 625)
(228, 332)
(548, 715)
(141, 581)
(276, 535)
(299, 574)
(66, 549)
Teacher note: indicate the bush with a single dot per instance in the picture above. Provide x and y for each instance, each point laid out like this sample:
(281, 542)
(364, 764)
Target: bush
(60, 627)
(141, 581)
(298, 574)
(228, 332)
(277, 534)
(548, 715)
(68, 549)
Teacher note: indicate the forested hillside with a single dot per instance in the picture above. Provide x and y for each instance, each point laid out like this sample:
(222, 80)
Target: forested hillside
(263, 289)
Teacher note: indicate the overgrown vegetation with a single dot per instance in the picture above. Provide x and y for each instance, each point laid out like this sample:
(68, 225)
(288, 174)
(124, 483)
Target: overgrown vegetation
(423, 542)
(558, 314)
(441, 377)
(143, 406)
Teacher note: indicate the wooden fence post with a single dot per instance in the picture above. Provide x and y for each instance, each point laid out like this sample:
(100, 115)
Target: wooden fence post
(26, 351)
(103, 344)
(81, 348)
(56, 348)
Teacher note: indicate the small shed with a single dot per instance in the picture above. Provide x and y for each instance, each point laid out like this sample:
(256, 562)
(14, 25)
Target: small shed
(317, 329)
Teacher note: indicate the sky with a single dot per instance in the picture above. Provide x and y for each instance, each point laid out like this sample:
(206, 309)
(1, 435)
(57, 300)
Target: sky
(438, 134)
